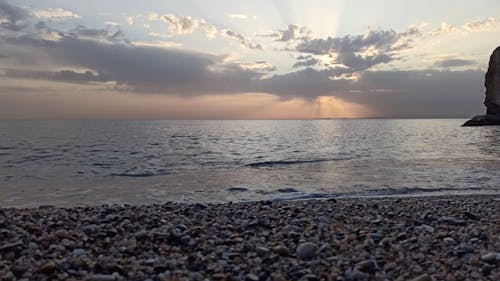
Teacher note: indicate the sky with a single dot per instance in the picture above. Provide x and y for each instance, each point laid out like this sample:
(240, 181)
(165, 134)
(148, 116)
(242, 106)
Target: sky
(257, 59)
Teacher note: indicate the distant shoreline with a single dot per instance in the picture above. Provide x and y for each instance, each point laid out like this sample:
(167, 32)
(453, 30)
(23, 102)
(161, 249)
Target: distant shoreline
(305, 119)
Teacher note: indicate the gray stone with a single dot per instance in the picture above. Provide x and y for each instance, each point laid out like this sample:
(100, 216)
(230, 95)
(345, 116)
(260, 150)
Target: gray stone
(10, 246)
(356, 275)
(428, 228)
(48, 267)
(282, 251)
(262, 250)
(307, 250)
(103, 277)
(491, 257)
(453, 221)
(251, 277)
(79, 252)
(423, 277)
(367, 266)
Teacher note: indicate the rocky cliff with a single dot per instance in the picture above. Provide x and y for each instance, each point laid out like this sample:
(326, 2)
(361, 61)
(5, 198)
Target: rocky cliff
(492, 84)
(492, 100)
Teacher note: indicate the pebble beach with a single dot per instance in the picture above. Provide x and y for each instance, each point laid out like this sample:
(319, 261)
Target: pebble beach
(424, 238)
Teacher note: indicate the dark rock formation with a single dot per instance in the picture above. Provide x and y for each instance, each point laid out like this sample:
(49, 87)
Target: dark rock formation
(492, 100)
(492, 84)
(483, 120)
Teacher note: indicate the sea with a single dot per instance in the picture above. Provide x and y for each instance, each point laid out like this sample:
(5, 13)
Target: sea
(89, 162)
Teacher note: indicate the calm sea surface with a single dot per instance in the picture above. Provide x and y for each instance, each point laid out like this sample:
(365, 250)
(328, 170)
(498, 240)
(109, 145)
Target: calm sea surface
(71, 163)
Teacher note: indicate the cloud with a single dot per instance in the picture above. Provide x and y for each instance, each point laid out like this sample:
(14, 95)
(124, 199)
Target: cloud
(186, 25)
(454, 62)
(109, 34)
(488, 24)
(416, 93)
(306, 61)
(444, 28)
(57, 14)
(361, 52)
(133, 67)
(237, 16)
(172, 71)
(105, 56)
(105, 35)
(180, 24)
(111, 23)
(384, 40)
(293, 32)
(484, 25)
(69, 76)
(153, 17)
(12, 17)
(130, 20)
(258, 66)
(157, 43)
(241, 39)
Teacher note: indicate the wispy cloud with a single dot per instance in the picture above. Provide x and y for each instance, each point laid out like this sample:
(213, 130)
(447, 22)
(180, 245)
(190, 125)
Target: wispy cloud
(56, 14)
(111, 23)
(130, 20)
(484, 25)
(237, 16)
(307, 61)
(246, 42)
(12, 17)
(293, 32)
(185, 25)
(454, 62)
(157, 43)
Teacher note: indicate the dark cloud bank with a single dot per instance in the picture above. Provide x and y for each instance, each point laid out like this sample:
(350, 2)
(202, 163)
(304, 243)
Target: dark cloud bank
(107, 56)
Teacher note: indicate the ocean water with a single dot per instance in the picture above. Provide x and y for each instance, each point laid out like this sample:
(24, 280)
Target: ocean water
(68, 163)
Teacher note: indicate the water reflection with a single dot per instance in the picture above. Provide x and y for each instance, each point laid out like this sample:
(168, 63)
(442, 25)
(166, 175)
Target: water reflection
(137, 161)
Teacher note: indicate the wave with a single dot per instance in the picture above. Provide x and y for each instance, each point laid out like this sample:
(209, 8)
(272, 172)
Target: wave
(287, 190)
(407, 191)
(237, 189)
(299, 195)
(138, 175)
(291, 162)
(6, 147)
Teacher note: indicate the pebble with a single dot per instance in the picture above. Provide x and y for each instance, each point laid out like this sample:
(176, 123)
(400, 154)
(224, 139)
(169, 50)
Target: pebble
(282, 251)
(252, 277)
(453, 221)
(358, 239)
(79, 252)
(262, 250)
(492, 257)
(48, 267)
(428, 228)
(423, 277)
(9, 246)
(62, 233)
(367, 266)
(104, 277)
(307, 250)
(356, 275)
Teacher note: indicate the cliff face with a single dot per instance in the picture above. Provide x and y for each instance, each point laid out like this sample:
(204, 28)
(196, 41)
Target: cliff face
(492, 100)
(492, 84)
